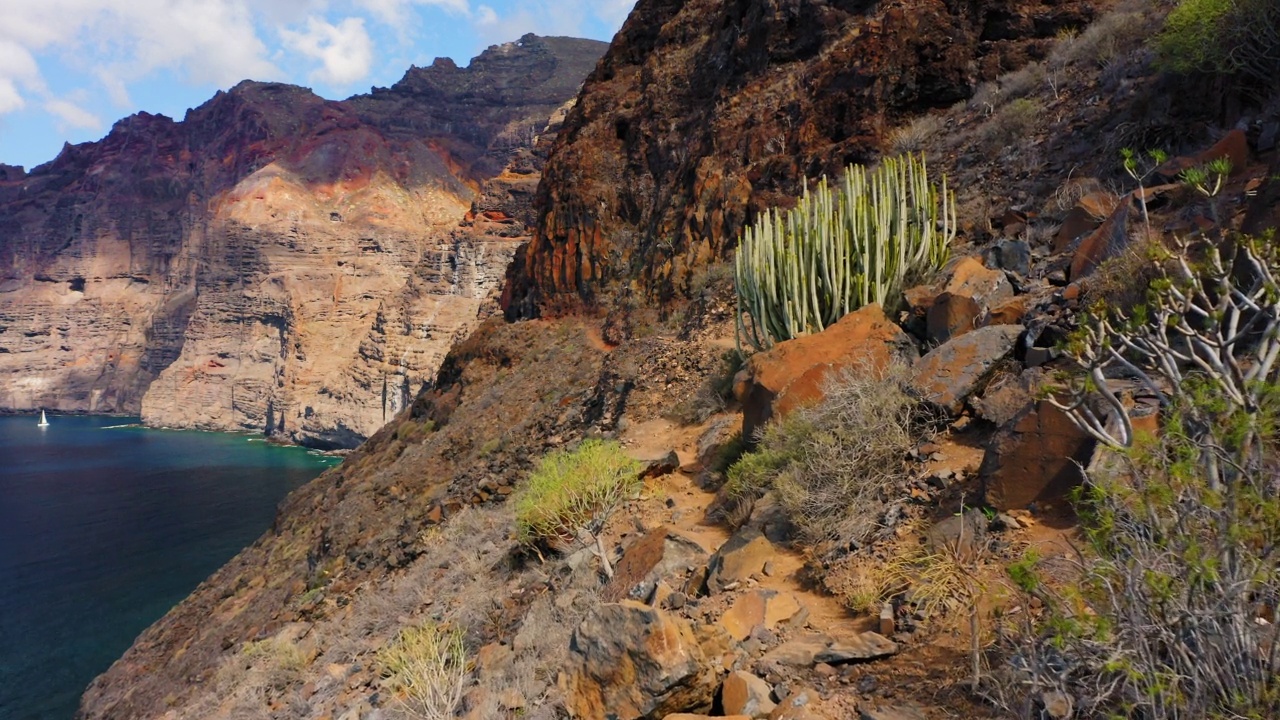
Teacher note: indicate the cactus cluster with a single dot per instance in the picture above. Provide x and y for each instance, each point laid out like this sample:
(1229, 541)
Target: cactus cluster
(799, 270)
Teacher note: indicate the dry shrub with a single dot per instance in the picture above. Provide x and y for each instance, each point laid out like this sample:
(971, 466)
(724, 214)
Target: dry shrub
(1109, 36)
(1122, 281)
(1021, 83)
(1012, 123)
(833, 465)
(913, 136)
(427, 664)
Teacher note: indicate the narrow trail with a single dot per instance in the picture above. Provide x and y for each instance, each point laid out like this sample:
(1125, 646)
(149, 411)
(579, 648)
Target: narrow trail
(685, 513)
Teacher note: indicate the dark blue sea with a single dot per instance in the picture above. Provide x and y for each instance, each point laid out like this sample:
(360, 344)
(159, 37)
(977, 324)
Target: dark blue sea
(104, 529)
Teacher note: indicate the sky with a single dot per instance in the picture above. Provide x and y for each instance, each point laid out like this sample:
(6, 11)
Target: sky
(70, 68)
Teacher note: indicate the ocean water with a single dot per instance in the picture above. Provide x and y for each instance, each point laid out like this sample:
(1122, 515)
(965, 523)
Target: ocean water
(103, 529)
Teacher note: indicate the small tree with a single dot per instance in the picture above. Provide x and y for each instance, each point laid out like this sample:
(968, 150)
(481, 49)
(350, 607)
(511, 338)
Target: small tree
(571, 494)
(1186, 524)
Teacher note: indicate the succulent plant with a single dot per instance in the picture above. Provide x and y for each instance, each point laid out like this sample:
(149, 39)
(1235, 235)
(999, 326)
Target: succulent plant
(800, 270)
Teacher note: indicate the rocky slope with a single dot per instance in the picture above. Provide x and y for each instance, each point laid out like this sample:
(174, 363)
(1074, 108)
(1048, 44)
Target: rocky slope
(412, 529)
(703, 113)
(276, 262)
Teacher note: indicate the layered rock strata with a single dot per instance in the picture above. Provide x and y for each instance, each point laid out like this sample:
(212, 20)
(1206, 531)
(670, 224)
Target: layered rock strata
(275, 261)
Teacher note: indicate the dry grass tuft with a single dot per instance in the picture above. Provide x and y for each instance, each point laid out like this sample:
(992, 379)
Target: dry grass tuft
(832, 465)
(427, 666)
(914, 136)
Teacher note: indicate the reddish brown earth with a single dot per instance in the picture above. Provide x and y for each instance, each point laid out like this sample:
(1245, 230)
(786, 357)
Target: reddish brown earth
(275, 261)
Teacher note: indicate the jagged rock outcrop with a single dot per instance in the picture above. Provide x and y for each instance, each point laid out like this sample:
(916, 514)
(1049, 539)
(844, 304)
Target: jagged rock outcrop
(277, 262)
(704, 112)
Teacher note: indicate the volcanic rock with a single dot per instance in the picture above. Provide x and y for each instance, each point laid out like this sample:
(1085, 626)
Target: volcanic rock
(276, 262)
(949, 374)
(632, 661)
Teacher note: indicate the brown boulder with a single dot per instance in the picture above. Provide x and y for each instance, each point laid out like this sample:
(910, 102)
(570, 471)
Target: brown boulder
(952, 316)
(1085, 217)
(742, 556)
(811, 648)
(790, 374)
(764, 608)
(1234, 146)
(747, 695)
(629, 661)
(1034, 458)
(949, 374)
(657, 555)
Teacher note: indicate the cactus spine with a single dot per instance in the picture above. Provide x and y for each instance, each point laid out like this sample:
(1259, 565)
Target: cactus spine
(799, 270)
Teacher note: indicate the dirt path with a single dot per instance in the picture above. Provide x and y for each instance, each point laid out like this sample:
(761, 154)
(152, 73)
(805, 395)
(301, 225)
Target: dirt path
(683, 508)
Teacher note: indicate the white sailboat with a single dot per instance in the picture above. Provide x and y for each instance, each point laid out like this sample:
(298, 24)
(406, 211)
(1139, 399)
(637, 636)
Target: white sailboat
(44, 421)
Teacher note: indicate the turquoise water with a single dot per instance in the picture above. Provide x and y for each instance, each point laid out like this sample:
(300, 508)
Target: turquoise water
(103, 529)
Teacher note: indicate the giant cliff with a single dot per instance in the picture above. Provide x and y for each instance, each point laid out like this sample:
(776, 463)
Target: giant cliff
(276, 262)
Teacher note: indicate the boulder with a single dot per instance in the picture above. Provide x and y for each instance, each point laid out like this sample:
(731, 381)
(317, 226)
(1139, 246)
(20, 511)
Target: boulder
(659, 554)
(696, 716)
(1085, 217)
(791, 373)
(629, 661)
(658, 464)
(1234, 146)
(745, 694)
(952, 316)
(1033, 458)
(759, 608)
(742, 556)
(810, 648)
(949, 374)
(966, 301)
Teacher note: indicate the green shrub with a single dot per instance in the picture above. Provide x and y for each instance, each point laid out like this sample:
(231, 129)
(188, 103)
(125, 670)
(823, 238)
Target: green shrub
(833, 465)
(839, 248)
(1184, 526)
(428, 666)
(1226, 37)
(574, 491)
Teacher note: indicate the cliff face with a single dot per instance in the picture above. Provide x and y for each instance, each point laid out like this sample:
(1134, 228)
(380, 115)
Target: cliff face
(704, 112)
(276, 261)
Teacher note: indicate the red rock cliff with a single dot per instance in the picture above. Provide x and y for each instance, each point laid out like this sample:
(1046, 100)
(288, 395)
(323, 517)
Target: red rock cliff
(276, 261)
(703, 112)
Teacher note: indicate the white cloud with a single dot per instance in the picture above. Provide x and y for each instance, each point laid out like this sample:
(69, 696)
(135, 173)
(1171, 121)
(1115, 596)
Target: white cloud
(344, 50)
(395, 12)
(72, 115)
(10, 98)
(486, 15)
(115, 87)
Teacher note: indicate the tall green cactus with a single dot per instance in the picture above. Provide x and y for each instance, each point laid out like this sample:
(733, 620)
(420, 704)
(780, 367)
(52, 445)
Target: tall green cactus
(800, 270)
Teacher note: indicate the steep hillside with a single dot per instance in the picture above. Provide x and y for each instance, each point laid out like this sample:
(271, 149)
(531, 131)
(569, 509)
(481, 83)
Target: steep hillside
(701, 113)
(705, 112)
(276, 262)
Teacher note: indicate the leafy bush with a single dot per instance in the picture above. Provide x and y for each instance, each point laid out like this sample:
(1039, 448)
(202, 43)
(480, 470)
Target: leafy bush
(1227, 37)
(1184, 526)
(831, 464)
(800, 270)
(428, 664)
(572, 492)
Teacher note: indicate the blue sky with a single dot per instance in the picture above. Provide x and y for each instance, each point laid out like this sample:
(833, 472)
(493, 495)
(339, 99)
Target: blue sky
(71, 68)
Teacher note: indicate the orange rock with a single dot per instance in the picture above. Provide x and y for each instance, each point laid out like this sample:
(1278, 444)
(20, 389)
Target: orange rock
(1034, 458)
(764, 608)
(791, 373)
(1234, 146)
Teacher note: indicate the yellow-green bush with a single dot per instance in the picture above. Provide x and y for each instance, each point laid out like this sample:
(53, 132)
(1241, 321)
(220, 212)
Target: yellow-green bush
(427, 665)
(1227, 37)
(571, 491)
